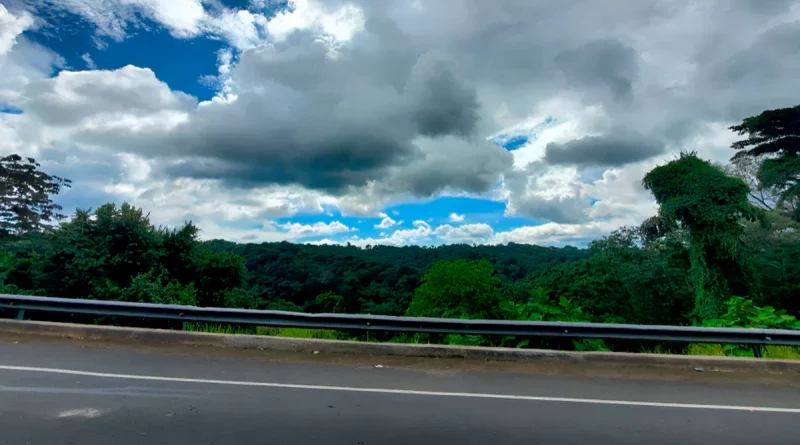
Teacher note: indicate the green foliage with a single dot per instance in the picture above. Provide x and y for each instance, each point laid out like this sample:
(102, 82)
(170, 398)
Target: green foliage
(782, 352)
(114, 253)
(626, 280)
(709, 205)
(283, 305)
(321, 334)
(776, 261)
(25, 196)
(742, 313)
(218, 273)
(457, 289)
(464, 340)
(329, 302)
(769, 351)
(539, 307)
(375, 280)
(154, 286)
(220, 328)
(775, 136)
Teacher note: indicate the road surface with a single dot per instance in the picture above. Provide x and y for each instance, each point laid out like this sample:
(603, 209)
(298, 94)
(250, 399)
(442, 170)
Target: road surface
(55, 392)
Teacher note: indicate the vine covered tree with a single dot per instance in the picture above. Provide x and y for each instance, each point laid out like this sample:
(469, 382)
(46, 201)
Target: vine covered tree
(709, 205)
(25, 196)
(773, 137)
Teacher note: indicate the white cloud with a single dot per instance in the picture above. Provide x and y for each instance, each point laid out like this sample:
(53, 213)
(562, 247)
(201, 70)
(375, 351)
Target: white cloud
(87, 59)
(386, 222)
(455, 217)
(552, 234)
(335, 26)
(479, 233)
(297, 230)
(12, 26)
(421, 234)
(549, 234)
(103, 101)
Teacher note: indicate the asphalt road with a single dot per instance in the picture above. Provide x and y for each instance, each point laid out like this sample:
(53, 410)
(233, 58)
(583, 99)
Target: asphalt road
(61, 392)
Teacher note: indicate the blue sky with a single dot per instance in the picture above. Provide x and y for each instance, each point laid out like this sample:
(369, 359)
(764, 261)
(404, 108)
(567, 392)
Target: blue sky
(312, 121)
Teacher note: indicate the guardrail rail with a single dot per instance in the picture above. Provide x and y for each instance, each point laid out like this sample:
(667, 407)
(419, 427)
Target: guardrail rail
(689, 334)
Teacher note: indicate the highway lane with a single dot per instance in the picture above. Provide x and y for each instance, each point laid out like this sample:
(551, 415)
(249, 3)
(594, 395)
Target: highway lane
(61, 392)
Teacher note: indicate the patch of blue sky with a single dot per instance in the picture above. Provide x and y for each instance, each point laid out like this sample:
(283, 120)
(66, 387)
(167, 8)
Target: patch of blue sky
(68, 35)
(180, 63)
(437, 211)
(512, 143)
(10, 109)
(267, 7)
(474, 210)
(518, 136)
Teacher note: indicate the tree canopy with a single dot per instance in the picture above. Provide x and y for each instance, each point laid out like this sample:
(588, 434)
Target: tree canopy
(25, 195)
(773, 137)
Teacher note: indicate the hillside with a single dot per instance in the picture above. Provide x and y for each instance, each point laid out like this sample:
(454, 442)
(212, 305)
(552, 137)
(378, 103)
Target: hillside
(378, 280)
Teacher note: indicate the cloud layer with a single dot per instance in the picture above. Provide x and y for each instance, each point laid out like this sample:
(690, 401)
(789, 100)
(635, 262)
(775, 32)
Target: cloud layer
(353, 105)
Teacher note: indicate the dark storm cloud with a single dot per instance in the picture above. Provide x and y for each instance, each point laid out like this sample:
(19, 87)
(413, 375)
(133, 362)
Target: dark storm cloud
(440, 103)
(608, 151)
(605, 63)
(305, 117)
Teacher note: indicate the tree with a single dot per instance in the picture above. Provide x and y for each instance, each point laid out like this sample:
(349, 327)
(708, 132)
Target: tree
(217, 274)
(776, 261)
(709, 205)
(774, 136)
(457, 289)
(25, 204)
(746, 168)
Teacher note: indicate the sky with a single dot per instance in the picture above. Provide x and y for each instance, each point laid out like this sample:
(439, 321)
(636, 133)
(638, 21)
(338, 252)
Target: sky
(393, 122)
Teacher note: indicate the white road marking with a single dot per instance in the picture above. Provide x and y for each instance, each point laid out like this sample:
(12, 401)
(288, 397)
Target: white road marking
(765, 409)
(87, 413)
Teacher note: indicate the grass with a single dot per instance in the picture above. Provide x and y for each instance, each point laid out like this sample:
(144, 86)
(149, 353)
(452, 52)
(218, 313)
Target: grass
(321, 334)
(219, 328)
(782, 352)
(659, 349)
(715, 350)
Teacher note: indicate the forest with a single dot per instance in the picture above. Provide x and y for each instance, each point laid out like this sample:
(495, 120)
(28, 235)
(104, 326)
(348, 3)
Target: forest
(723, 250)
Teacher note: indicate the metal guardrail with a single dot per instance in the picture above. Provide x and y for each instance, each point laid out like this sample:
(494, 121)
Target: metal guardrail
(688, 334)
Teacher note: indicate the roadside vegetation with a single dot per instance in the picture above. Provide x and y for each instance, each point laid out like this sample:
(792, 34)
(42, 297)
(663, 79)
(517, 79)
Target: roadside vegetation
(722, 250)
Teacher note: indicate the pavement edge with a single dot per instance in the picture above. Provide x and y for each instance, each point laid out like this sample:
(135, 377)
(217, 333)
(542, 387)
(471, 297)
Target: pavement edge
(162, 336)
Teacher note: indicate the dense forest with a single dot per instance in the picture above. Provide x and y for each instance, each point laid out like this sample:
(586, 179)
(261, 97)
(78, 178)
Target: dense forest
(723, 250)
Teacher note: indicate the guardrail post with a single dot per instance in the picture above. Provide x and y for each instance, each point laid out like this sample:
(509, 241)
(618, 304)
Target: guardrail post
(20, 314)
(185, 326)
(757, 351)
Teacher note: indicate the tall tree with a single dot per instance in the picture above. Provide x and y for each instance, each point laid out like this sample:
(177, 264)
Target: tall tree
(774, 135)
(25, 191)
(710, 206)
